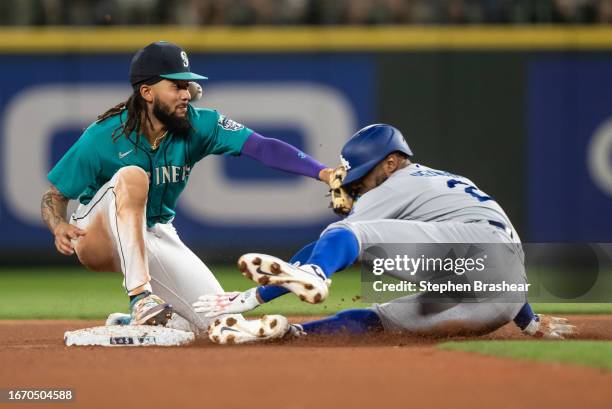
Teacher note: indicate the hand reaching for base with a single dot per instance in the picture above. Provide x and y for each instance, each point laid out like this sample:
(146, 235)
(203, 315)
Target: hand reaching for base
(213, 305)
(549, 327)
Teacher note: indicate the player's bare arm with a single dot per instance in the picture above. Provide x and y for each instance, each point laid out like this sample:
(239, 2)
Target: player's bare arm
(53, 208)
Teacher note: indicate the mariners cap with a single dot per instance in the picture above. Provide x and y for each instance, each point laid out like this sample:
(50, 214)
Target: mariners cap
(161, 60)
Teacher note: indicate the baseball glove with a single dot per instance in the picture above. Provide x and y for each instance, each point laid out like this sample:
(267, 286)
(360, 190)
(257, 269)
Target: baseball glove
(341, 199)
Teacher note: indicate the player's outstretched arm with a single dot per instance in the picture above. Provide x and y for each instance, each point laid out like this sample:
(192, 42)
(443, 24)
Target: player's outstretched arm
(549, 327)
(543, 326)
(236, 302)
(53, 208)
(280, 155)
(326, 174)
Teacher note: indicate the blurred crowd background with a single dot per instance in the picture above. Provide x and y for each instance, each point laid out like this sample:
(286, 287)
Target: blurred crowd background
(540, 97)
(305, 12)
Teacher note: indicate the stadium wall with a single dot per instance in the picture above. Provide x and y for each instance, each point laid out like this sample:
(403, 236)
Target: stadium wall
(524, 112)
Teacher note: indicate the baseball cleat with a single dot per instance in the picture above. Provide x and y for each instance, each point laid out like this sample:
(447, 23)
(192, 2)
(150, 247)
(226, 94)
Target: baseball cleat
(307, 281)
(234, 329)
(150, 310)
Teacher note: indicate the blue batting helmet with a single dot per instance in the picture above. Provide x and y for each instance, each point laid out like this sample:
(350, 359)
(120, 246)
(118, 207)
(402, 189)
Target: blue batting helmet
(368, 147)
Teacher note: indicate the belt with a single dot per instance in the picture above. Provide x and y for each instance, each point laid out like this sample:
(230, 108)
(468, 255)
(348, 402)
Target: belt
(502, 226)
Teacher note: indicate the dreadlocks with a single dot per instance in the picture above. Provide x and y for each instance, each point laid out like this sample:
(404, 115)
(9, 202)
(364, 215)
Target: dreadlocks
(136, 109)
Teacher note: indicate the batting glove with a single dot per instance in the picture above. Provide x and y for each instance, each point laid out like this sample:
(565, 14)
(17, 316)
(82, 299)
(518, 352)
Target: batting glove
(213, 305)
(550, 328)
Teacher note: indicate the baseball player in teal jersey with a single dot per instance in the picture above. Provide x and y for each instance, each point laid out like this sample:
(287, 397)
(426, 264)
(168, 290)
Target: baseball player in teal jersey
(398, 202)
(128, 169)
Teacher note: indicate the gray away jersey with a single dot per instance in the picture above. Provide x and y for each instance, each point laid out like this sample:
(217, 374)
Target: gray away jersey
(428, 195)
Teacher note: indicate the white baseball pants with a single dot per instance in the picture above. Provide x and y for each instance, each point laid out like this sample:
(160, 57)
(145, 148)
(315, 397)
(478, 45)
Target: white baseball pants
(154, 257)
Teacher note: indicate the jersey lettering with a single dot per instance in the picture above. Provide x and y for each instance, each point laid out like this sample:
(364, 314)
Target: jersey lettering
(471, 190)
(170, 174)
(431, 173)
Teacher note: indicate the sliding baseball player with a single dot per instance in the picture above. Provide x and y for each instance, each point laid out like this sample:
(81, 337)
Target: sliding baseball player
(396, 201)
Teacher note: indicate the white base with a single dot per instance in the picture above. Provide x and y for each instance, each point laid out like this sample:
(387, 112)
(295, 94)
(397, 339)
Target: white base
(128, 335)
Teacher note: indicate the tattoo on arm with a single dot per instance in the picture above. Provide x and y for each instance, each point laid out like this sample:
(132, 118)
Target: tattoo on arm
(53, 207)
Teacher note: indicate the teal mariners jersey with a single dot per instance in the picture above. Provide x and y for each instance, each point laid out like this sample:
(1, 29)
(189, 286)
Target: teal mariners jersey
(95, 158)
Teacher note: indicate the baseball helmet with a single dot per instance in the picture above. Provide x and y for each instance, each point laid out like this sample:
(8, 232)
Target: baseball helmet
(368, 147)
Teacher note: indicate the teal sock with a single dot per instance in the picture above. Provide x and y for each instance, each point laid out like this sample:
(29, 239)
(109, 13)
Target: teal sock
(139, 296)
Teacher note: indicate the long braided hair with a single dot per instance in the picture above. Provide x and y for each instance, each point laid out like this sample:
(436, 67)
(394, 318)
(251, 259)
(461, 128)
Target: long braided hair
(136, 108)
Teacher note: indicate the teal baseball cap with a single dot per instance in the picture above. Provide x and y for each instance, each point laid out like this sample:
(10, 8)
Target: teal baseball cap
(161, 60)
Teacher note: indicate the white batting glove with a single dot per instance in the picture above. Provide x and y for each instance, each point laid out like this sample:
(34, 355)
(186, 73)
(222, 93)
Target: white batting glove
(550, 328)
(227, 303)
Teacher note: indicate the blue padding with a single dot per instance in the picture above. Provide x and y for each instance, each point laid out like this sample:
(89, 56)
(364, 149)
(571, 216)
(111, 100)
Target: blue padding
(335, 250)
(303, 254)
(524, 316)
(357, 321)
(269, 292)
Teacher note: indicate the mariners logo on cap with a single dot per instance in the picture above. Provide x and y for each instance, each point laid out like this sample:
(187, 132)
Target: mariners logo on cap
(185, 59)
(345, 163)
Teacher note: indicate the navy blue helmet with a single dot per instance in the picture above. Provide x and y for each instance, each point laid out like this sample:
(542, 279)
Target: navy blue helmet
(368, 147)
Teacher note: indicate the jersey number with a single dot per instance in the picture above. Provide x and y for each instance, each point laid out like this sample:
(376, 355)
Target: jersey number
(471, 190)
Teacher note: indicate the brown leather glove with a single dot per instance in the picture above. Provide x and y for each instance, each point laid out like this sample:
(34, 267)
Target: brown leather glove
(341, 199)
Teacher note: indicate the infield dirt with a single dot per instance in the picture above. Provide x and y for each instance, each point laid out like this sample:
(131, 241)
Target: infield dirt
(381, 372)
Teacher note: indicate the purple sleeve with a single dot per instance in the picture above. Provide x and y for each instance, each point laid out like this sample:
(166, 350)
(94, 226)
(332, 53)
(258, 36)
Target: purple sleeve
(280, 155)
